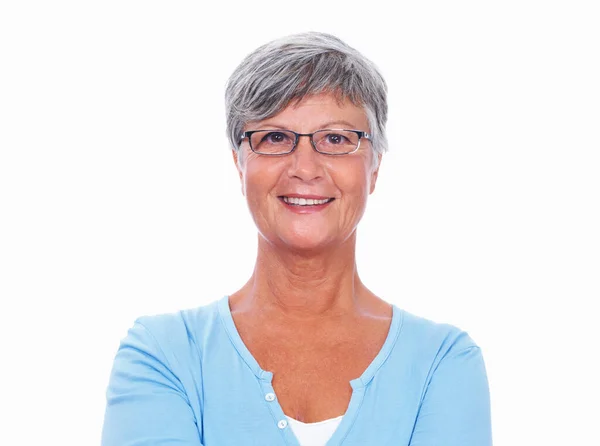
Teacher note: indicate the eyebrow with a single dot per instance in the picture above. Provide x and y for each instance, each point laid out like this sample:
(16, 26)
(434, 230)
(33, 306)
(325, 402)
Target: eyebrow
(323, 126)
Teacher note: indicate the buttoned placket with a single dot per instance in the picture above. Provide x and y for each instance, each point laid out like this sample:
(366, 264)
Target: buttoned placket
(279, 417)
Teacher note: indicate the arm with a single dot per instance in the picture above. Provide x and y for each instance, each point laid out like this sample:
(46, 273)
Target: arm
(455, 410)
(146, 403)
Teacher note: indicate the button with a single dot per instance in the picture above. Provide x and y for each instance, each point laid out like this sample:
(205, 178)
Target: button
(282, 424)
(270, 396)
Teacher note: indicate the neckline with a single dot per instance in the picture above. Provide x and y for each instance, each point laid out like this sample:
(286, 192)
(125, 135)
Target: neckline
(265, 375)
(316, 423)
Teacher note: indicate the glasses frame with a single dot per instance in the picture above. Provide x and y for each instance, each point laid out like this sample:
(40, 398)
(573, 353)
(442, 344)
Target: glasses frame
(249, 133)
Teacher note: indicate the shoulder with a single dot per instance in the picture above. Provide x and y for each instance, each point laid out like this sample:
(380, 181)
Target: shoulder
(178, 334)
(432, 341)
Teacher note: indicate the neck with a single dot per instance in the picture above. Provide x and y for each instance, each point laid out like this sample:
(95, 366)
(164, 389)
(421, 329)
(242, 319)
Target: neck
(304, 287)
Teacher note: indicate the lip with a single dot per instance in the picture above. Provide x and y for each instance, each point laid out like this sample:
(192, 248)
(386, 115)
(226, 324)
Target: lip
(307, 196)
(305, 209)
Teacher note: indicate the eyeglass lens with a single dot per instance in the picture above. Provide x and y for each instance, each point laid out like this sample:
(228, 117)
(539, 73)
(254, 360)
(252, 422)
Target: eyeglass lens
(272, 142)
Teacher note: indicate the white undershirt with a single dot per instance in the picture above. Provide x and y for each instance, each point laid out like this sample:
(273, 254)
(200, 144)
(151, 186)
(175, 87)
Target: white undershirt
(314, 434)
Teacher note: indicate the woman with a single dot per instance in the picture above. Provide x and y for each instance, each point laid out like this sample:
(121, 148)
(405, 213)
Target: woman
(303, 353)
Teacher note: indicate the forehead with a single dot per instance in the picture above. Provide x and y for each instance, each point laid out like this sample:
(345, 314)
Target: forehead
(317, 111)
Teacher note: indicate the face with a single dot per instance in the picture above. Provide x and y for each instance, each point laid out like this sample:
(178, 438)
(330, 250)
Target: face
(348, 179)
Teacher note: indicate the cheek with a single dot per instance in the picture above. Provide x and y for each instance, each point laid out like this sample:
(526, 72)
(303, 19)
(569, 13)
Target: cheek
(352, 179)
(260, 178)
(252, 170)
(254, 192)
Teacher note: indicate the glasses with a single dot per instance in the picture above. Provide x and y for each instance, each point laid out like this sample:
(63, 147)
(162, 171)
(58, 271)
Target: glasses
(327, 141)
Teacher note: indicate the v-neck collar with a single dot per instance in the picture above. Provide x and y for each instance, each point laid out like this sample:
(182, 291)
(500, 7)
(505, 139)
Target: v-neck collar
(358, 384)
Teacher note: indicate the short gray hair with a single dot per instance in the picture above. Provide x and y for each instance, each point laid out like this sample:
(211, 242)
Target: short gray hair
(298, 65)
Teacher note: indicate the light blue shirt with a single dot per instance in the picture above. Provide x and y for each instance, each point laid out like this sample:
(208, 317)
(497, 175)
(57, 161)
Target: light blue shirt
(187, 379)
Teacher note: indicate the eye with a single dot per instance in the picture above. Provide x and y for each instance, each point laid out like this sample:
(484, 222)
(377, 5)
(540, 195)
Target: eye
(335, 138)
(275, 138)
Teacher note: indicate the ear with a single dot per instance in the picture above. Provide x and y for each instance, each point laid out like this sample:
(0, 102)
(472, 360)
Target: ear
(375, 174)
(240, 173)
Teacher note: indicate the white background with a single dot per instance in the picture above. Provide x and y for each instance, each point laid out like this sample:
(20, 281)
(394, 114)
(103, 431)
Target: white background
(118, 196)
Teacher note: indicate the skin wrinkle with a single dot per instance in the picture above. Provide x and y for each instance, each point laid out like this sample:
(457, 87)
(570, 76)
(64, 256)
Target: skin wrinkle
(305, 270)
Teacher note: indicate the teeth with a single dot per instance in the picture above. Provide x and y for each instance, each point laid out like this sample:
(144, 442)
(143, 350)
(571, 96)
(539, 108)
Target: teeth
(305, 201)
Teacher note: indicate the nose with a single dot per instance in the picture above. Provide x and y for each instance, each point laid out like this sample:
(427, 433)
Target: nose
(306, 162)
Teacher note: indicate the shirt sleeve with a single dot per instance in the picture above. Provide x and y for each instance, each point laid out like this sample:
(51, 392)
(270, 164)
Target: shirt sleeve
(456, 406)
(146, 403)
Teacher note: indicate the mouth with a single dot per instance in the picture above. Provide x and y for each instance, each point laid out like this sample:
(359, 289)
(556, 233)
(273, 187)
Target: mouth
(305, 202)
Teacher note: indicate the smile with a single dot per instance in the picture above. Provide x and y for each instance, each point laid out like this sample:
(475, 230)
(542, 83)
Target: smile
(294, 201)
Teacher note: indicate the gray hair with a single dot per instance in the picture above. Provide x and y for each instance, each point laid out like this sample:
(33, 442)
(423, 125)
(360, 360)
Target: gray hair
(298, 65)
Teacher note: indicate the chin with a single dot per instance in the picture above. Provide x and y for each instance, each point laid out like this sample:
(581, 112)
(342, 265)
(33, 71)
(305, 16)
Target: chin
(304, 242)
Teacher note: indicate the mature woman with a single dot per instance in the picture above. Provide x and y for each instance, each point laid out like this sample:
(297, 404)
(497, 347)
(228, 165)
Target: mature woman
(304, 353)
